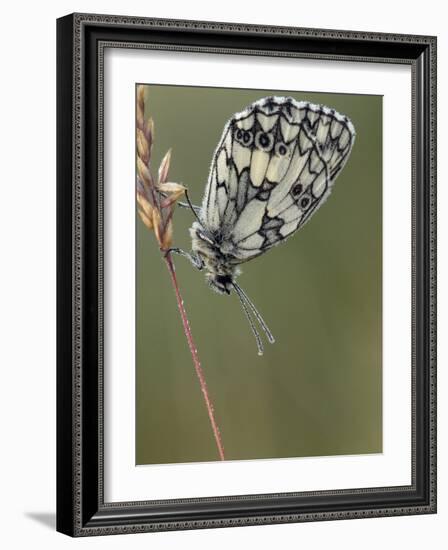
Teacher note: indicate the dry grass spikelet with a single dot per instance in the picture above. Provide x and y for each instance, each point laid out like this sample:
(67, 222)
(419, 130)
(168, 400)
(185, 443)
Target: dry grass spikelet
(156, 199)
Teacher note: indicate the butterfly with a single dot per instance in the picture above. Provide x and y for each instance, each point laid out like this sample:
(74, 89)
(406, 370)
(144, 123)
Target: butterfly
(274, 167)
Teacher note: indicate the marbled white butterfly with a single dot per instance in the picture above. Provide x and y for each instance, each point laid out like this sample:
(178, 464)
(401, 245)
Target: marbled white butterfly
(274, 166)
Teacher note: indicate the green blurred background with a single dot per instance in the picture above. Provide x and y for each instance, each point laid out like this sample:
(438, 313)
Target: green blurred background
(317, 390)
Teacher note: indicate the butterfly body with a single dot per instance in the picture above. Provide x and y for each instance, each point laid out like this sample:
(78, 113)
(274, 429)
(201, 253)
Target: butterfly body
(216, 258)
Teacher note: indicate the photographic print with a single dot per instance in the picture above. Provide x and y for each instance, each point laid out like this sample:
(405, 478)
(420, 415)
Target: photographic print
(258, 274)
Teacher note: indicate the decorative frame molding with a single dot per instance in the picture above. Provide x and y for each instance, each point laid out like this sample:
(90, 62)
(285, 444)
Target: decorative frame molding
(81, 39)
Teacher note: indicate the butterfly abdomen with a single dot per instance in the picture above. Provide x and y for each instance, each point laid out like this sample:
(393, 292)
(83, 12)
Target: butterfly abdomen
(216, 257)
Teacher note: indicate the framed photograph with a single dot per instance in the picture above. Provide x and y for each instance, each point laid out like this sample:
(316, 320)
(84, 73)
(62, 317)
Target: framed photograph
(221, 361)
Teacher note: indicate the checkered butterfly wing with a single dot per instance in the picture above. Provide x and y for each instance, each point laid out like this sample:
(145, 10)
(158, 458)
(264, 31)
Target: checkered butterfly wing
(274, 167)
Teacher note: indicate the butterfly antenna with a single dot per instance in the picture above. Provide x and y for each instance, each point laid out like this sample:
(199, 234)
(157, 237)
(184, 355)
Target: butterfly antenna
(192, 208)
(245, 298)
(249, 318)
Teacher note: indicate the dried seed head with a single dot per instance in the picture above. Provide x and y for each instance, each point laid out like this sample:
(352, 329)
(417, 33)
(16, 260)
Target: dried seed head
(147, 221)
(167, 239)
(148, 130)
(164, 167)
(173, 191)
(143, 150)
(156, 201)
(140, 106)
(143, 172)
(157, 224)
(145, 205)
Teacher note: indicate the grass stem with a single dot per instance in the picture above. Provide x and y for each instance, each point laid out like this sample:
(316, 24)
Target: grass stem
(195, 357)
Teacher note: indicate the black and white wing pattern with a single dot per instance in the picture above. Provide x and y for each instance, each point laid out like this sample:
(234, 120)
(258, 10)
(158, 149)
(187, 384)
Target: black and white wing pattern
(274, 166)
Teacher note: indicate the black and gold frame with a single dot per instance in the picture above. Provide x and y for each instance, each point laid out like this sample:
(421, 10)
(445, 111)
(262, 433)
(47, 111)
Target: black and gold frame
(81, 507)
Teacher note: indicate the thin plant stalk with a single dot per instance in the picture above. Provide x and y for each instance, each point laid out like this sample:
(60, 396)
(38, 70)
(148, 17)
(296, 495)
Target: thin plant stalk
(195, 357)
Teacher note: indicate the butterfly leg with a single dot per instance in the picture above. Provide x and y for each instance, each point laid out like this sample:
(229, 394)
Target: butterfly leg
(195, 260)
(194, 207)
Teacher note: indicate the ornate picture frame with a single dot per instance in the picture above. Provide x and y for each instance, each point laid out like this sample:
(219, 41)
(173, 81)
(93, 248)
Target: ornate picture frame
(81, 506)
